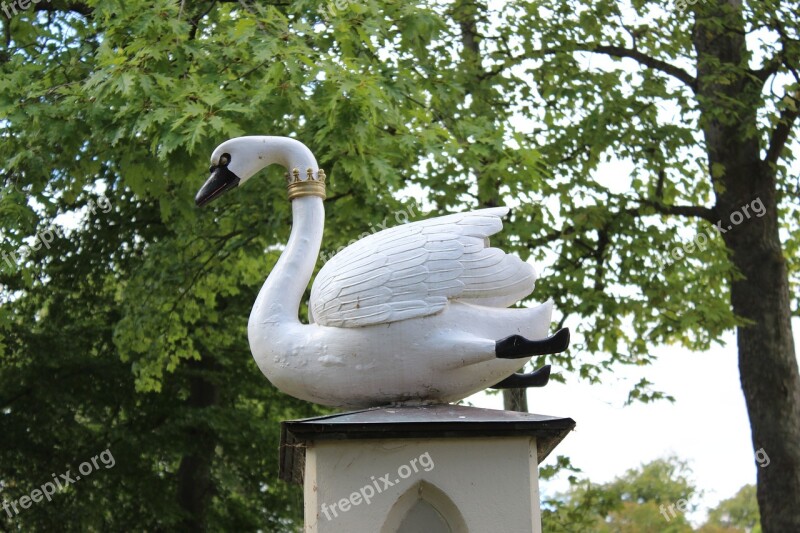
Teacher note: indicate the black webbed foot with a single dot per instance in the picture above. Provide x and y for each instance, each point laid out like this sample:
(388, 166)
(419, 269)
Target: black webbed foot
(518, 347)
(537, 378)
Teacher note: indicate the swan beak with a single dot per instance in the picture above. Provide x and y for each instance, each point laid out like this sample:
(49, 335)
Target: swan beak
(221, 180)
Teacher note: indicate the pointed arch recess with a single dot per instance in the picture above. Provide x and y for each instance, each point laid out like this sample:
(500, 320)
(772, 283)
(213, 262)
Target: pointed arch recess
(434, 496)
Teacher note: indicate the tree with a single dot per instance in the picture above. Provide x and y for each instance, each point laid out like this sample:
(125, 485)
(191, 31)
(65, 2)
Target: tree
(644, 499)
(705, 119)
(124, 102)
(446, 100)
(653, 497)
(738, 513)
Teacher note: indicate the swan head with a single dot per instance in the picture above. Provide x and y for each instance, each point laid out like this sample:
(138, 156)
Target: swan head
(232, 163)
(237, 160)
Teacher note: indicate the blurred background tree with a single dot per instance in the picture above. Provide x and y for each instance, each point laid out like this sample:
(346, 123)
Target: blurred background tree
(644, 500)
(738, 513)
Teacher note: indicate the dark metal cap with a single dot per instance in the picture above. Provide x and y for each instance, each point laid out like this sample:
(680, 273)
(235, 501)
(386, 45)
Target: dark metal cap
(415, 422)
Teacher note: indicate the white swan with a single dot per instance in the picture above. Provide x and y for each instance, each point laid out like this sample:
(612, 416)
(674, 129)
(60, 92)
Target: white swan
(412, 314)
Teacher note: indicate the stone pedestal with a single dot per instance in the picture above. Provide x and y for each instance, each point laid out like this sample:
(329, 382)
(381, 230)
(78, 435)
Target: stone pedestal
(438, 468)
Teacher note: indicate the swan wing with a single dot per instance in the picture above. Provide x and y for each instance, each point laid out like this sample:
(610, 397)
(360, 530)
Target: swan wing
(413, 270)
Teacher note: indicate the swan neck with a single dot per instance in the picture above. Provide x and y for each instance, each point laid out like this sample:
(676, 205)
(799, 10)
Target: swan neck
(291, 154)
(278, 301)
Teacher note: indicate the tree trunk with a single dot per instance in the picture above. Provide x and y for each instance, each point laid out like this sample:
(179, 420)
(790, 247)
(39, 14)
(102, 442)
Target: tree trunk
(767, 361)
(760, 296)
(195, 487)
(515, 400)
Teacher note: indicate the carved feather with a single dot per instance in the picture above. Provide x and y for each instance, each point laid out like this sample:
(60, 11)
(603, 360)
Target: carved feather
(413, 270)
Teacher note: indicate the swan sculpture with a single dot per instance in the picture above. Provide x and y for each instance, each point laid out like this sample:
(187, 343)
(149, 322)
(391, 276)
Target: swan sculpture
(412, 314)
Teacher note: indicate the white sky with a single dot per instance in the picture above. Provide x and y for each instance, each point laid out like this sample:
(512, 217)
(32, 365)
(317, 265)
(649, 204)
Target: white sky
(707, 425)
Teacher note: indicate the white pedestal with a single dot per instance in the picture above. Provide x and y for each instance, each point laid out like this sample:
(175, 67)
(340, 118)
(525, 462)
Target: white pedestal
(435, 469)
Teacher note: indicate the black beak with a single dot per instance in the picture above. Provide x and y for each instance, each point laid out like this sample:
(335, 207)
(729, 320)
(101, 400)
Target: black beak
(221, 180)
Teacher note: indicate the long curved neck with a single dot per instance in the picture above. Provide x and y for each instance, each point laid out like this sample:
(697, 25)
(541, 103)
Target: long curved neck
(260, 151)
(278, 301)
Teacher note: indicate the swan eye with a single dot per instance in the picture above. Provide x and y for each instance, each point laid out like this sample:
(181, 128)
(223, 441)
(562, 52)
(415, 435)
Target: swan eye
(224, 159)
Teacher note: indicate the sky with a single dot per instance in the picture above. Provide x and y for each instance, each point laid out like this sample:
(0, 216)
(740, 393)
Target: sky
(706, 425)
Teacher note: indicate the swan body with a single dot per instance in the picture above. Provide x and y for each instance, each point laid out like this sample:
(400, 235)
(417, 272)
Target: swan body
(417, 313)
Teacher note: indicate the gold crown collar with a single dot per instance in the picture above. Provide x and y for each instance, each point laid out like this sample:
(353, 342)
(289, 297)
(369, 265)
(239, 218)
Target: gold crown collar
(311, 186)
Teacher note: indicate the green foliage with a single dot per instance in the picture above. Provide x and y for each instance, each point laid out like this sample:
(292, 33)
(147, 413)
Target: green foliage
(129, 332)
(738, 513)
(639, 501)
(601, 101)
(632, 503)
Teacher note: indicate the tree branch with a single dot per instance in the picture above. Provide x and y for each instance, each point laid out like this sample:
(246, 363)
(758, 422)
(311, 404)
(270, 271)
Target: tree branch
(651, 62)
(698, 211)
(550, 237)
(770, 68)
(636, 55)
(773, 64)
(780, 135)
(678, 210)
(54, 7)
